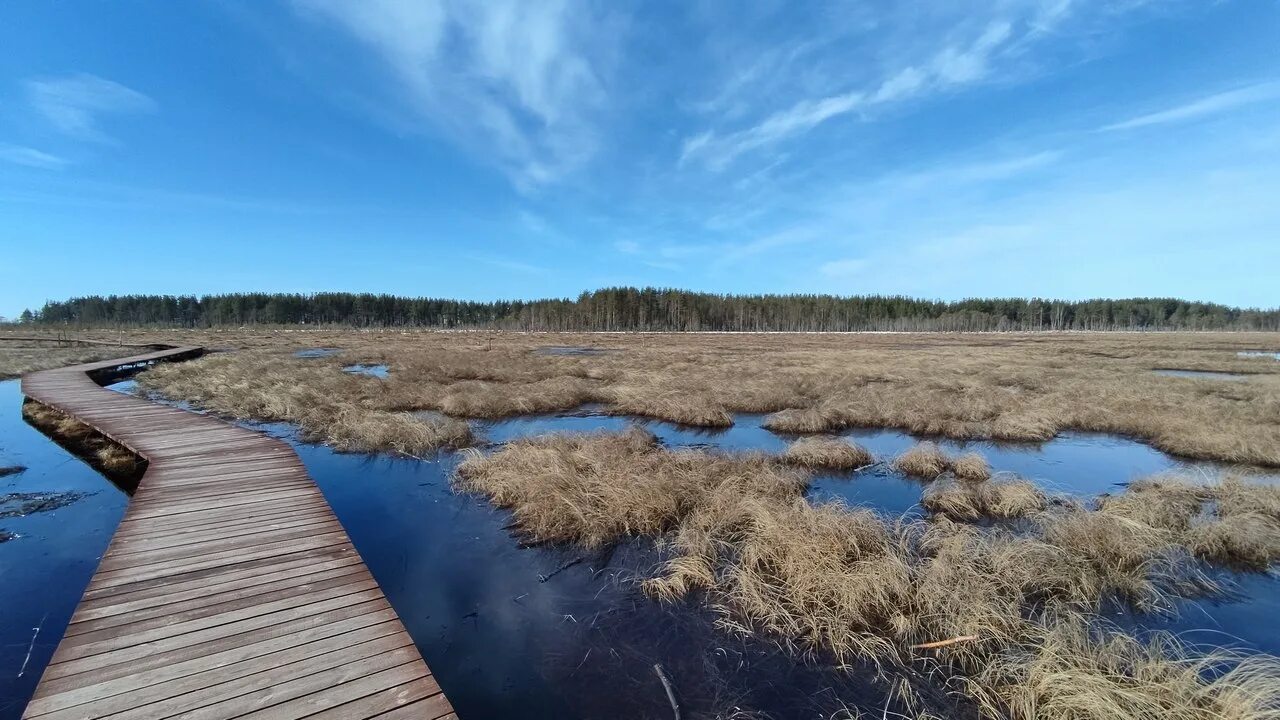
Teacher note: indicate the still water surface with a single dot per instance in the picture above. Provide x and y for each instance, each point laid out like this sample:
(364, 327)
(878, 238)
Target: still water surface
(548, 632)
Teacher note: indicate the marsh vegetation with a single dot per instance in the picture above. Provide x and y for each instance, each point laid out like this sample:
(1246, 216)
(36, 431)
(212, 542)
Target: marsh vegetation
(1025, 388)
(989, 601)
(21, 356)
(993, 604)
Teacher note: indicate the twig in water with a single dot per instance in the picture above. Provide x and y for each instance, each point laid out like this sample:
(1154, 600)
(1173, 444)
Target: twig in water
(944, 643)
(32, 646)
(671, 693)
(562, 568)
(867, 467)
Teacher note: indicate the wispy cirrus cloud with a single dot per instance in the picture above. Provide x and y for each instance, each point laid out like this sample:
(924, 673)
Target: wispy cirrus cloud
(518, 82)
(1204, 107)
(75, 104)
(896, 54)
(31, 157)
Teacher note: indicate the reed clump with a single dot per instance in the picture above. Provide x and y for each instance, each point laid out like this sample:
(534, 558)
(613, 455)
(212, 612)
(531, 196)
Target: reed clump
(827, 453)
(971, 466)
(595, 489)
(1073, 669)
(924, 460)
(847, 583)
(1230, 522)
(968, 501)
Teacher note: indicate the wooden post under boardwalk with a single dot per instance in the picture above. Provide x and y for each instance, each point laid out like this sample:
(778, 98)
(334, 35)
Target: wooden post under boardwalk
(229, 590)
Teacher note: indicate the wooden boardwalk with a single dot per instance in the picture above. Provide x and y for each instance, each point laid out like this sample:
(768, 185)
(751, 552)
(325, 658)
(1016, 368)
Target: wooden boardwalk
(229, 590)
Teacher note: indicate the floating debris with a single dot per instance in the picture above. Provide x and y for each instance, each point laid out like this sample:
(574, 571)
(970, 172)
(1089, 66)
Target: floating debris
(21, 504)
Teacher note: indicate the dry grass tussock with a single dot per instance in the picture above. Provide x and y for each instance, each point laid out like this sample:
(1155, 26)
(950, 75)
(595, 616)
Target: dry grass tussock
(108, 456)
(971, 466)
(924, 460)
(849, 583)
(968, 501)
(1070, 670)
(1231, 521)
(827, 453)
(928, 461)
(1007, 386)
(351, 412)
(594, 489)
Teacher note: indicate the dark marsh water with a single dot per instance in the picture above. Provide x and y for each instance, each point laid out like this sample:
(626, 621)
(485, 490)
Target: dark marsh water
(550, 632)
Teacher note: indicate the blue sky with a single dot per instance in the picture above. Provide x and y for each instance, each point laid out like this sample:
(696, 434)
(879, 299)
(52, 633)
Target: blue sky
(523, 149)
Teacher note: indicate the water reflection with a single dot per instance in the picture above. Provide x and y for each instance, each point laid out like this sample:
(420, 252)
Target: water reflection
(378, 371)
(552, 632)
(1202, 374)
(45, 567)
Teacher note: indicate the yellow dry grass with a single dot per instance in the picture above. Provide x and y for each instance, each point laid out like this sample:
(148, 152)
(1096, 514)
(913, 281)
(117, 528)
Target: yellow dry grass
(967, 500)
(971, 466)
(351, 412)
(1070, 670)
(849, 583)
(1230, 522)
(1012, 386)
(827, 453)
(925, 460)
(17, 359)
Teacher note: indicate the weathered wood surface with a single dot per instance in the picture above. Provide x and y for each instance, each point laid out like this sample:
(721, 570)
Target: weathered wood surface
(229, 590)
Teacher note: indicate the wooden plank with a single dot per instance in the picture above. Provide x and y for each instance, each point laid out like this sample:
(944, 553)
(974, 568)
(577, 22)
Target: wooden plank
(229, 589)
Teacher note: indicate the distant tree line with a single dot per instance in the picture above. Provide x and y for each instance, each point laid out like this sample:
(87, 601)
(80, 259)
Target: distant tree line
(632, 309)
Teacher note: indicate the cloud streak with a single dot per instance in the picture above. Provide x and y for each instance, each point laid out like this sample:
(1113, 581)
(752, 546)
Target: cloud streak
(957, 64)
(75, 104)
(1204, 107)
(31, 157)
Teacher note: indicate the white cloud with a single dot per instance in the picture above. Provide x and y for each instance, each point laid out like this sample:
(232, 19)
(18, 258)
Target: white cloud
(74, 104)
(627, 247)
(31, 157)
(519, 81)
(1221, 102)
(956, 64)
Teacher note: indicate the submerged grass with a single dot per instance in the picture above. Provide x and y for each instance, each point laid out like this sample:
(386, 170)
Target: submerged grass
(992, 604)
(111, 458)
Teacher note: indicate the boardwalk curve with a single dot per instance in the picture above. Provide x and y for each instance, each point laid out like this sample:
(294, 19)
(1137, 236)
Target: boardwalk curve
(229, 590)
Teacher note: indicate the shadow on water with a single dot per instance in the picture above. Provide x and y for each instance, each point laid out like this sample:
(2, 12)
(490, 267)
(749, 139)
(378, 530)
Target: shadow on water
(62, 514)
(550, 632)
